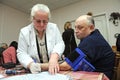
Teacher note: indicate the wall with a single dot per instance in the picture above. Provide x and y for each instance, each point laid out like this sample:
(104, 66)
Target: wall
(11, 21)
(73, 11)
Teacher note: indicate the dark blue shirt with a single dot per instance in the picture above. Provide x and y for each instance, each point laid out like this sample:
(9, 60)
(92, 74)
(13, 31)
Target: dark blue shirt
(99, 53)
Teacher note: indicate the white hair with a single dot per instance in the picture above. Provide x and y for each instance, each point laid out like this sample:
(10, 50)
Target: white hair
(89, 20)
(3, 44)
(40, 7)
(86, 19)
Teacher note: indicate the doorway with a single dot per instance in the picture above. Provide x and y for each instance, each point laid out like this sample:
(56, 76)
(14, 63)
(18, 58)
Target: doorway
(101, 24)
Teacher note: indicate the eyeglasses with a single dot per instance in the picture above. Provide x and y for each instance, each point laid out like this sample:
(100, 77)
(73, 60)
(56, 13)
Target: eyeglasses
(40, 21)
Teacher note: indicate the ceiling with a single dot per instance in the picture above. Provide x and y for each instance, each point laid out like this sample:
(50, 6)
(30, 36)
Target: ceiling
(26, 5)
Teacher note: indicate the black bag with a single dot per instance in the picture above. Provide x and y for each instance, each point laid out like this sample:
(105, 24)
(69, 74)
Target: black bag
(8, 65)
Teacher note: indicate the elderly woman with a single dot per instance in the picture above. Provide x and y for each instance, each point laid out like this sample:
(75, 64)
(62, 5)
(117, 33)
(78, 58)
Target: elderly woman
(40, 42)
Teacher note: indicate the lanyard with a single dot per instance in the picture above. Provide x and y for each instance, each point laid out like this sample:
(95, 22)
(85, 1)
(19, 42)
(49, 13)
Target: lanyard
(38, 49)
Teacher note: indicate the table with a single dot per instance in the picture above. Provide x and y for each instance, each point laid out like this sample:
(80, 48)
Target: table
(78, 75)
(82, 75)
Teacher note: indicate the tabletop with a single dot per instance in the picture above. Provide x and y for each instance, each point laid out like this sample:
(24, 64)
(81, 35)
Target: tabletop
(78, 75)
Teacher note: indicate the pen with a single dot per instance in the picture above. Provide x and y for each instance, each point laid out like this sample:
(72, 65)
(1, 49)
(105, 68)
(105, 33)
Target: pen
(35, 60)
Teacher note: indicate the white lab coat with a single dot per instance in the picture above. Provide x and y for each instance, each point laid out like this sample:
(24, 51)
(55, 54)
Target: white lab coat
(27, 49)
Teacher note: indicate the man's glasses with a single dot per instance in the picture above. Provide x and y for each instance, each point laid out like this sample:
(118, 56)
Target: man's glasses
(41, 21)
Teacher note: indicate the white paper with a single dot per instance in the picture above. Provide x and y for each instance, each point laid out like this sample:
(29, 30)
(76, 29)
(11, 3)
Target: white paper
(39, 76)
(1, 76)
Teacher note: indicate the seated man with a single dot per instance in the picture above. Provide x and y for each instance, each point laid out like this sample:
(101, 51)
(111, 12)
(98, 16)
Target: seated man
(2, 48)
(93, 44)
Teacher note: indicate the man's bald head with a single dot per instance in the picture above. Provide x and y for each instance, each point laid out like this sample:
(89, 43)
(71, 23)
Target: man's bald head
(85, 19)
(84, 25)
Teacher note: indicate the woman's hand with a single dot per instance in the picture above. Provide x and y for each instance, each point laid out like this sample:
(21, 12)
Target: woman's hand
(53, 63)
(35, 67)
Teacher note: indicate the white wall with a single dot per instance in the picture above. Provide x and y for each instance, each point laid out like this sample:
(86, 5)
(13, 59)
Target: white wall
(69, 13)
(11, 21)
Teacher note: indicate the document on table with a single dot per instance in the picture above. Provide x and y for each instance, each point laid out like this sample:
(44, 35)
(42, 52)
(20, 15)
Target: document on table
(1, 76)
(39, 76)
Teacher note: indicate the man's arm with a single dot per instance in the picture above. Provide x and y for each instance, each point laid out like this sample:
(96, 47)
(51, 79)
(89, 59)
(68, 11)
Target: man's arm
(63, 66)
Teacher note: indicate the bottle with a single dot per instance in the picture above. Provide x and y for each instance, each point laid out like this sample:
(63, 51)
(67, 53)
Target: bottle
(12, 72)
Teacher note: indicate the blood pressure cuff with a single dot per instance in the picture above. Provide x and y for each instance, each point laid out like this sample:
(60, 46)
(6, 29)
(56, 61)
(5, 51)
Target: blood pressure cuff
(8, 65)
(78, 62)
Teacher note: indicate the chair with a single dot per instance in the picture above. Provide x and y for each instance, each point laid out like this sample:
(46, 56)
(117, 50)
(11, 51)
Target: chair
(118, 71)
(117, 66)
(114, 48)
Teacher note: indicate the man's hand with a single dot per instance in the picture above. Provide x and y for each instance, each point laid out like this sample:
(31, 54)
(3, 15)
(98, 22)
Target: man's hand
(53, 64)
(35, 67)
